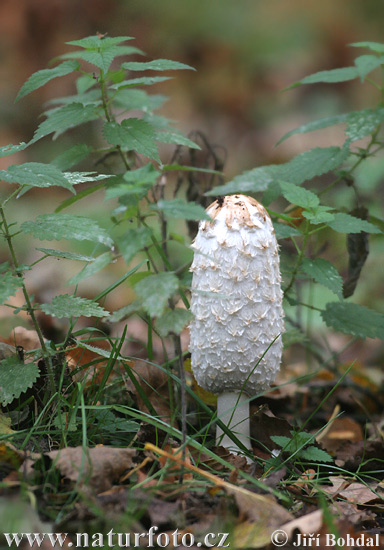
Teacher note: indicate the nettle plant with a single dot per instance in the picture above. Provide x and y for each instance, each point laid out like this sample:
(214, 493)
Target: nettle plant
(114, 100)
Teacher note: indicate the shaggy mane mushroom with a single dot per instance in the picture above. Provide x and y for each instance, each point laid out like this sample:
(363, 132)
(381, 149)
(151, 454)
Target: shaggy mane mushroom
(236, 343)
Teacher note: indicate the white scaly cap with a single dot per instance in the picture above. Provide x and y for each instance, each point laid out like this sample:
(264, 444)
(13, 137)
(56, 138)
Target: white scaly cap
(236, 299)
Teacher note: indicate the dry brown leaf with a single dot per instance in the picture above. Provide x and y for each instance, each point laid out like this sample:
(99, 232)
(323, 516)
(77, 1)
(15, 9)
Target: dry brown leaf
(341, 430)
(310, 523)
(261, 512)
(358, 494)
(96, 469)
(350, 512)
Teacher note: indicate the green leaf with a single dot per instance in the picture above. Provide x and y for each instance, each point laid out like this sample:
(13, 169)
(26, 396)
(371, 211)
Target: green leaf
(303, 167)
(143, 81)
(99, 41)
(315, 125)
(334, 75)
(66, 226)
(367, 63)
(320, 214)
(324, 273)
(133, 240)
(40, 78)
(134, 183)
(110, 423)
(15, 378)
(176, 138)
(133, 134)
(36, 174)
(363, 123)
(101, 51)
(94, 267)
(345, 223)
(298, 195)
(125, 312)
(155, 290)
(66, 255)
(314, 454)
(156, 65)
(180, 209)
(9, 283)
(11, 149)
(72, 156)
(255, 180)
(173, 321)
(354, 319)
(66, 305)
(65, 118)
(284, 231)
(374, 46)
(135, 99)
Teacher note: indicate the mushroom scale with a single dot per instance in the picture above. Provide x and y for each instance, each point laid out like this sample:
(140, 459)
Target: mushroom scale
(236, 299)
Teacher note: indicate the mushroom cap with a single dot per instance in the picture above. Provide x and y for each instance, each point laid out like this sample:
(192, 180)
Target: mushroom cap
(236, 342)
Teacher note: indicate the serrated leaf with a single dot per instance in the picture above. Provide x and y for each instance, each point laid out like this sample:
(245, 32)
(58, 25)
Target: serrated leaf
(320, 214)
(15, 378)
(40, 78)
(36, 174)
(10, 149)
(334, 75)
(156, 65)
(85, 177)
(65, 118)
(367, 63)
(135, 99)
(133, 134)
(94, 267)
(66, 305)
(324, 273)
(284, 231)
(66, 255)
(99, 41)
(155, 290)
(345, 223)
(134, 183)
(314, 125)
(363, 123)
(66, 226)
(301, 168)
(133, 240)
(101, 51)
(9, 283)
(176, 138)
(178, 208)
(374, 46)
(109, 422)
(255, 180)
(298, 195)
(314, 454)
(354, 319)
(173, 321)
(125, 312)
(72, 156)
(65, 420)
(143, 81)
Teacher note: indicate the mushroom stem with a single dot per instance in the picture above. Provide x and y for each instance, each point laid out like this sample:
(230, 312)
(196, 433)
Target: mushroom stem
(233, 411)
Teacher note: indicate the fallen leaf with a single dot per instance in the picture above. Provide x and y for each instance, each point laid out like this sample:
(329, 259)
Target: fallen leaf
(5, 424)
(358, 493)
(172, 470)
(261, 512)
(341, 431)
(309, 523)
(96, 469)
